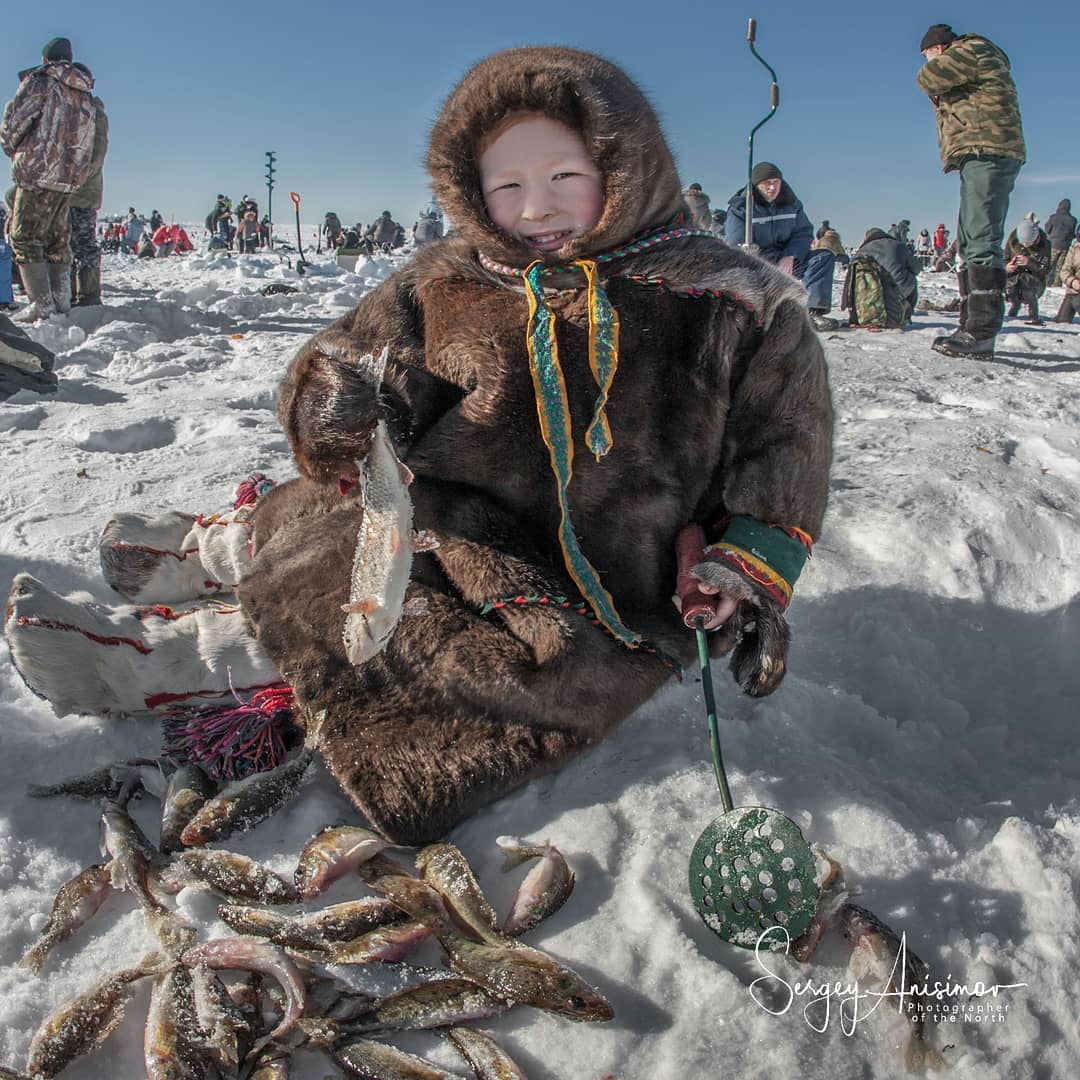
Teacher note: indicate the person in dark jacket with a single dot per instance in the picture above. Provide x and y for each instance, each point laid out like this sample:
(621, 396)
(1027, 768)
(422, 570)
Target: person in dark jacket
(896, 259)
(697, 207)
(782, 234)
(1060, 230)
(1028, 252)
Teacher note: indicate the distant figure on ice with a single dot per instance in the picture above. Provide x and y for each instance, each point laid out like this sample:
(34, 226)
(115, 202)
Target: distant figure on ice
(1070, 278)
(899, 231)
(881, 287)
(48, 132)
(85, 204)
(247, 234)
(331, 228)
(698, 211)
(1060, 230)
(429, 227)
(716, 226)
(923, 248)
(264, 231)
(783, 234)
(540, 612)
(383, 231)
(980, 136)
(134, 227)
(156, 220)
(1027, 252)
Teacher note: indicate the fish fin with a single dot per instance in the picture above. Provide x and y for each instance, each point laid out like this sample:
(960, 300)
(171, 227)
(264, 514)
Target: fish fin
(367, 606)
(34, 959)
(423, 540)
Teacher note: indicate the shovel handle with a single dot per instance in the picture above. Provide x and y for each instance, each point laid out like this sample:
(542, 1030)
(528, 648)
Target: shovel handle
(689, 551)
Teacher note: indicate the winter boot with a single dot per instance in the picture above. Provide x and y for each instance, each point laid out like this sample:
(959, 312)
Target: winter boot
(88, 658)
(35, 279)
(1070, 304)
(88, 286)
(1014, 310)
(982, 314)
(60, 283)
(1033, 314)
(821, 320)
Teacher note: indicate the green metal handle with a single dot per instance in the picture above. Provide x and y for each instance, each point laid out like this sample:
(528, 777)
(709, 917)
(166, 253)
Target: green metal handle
(774, 100)
(710, 713)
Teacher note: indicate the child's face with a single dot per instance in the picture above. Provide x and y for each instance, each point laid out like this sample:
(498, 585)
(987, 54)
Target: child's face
(539, 183)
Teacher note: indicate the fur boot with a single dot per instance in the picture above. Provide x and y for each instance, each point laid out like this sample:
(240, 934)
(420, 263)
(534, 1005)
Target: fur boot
(175, 557)
(60, 284)
(35, 279)
(88, 658)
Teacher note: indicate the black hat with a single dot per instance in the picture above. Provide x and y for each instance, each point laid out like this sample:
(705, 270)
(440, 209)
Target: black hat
(938, 34)
(765, 170)
(694, 187)
(57, 49)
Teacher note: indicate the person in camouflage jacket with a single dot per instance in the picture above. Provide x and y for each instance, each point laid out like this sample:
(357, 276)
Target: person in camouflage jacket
(83, 212)
(980, 135)
(48, 132)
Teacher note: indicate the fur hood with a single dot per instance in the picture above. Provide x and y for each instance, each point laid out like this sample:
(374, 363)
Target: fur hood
(587, 94)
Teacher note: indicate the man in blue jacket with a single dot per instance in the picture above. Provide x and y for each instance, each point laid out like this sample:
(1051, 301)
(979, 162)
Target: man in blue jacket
(782, 233)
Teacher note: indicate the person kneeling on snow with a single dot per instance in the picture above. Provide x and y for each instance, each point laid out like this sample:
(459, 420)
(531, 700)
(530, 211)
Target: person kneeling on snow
(1070, 278)
(1027, 264)
(881, 287)
(571, 323)
(782, 234)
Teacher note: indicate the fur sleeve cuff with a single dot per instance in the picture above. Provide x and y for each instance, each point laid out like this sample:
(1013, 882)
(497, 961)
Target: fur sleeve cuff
(772, 556)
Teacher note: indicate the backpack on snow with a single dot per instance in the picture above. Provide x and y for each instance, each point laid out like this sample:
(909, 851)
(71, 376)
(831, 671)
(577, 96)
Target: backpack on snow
(871, 295)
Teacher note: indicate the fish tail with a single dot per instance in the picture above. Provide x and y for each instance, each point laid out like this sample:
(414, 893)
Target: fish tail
(34, 960)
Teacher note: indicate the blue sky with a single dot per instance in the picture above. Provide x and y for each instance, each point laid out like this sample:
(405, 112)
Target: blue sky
(345, 93)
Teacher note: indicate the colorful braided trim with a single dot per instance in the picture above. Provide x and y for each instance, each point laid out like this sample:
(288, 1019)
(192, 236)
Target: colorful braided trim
(771, 555)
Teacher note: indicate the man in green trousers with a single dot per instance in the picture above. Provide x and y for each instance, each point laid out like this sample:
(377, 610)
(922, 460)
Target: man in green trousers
(980, 136)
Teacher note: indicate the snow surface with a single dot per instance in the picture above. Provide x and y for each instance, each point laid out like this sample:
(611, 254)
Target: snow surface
(925, 735)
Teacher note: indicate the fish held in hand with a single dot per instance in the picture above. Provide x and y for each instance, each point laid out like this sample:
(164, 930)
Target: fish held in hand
(333, 853)
(244, 803)
(77, 901)
(382, 564)
(546, 887)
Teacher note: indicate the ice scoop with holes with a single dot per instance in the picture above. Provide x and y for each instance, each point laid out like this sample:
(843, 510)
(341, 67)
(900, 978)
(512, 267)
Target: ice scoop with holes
(751, 869)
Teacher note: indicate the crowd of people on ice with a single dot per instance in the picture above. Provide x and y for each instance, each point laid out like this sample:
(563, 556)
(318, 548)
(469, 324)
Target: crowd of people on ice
(56, 243)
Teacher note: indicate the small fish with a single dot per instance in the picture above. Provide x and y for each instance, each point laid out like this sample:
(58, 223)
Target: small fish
(170, 1048)
(832, 896)
(270, 1063)
(316, 930)
(485, 1056)
(508, 969)
(84, 1023)
(446, 869)
(376, 1061)
(77, 901)
(430, 1005)
(547, 886)
(228, 873)
(103, 783)
(220, 1021)
(247, 954)
(244, 803)
(188, 790)
(382, 564)
(878, 954)
(134, 866)
(384, 944)
(333, 853)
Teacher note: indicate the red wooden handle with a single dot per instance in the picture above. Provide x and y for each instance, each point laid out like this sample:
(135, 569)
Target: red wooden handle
(689, 551)
(295, 198)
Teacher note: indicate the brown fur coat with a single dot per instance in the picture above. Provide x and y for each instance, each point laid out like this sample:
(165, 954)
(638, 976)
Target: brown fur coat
(720, 406)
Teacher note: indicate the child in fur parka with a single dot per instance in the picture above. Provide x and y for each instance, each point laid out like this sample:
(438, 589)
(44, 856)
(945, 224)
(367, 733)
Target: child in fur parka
(571, 378)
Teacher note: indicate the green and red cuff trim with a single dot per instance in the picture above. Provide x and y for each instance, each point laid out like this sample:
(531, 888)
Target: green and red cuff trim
(772, 556)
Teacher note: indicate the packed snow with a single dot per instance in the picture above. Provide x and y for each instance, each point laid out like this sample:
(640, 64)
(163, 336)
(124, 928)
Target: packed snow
(925, 735)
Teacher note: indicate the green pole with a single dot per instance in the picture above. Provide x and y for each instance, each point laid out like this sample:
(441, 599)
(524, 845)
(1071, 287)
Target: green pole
(774, 99)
